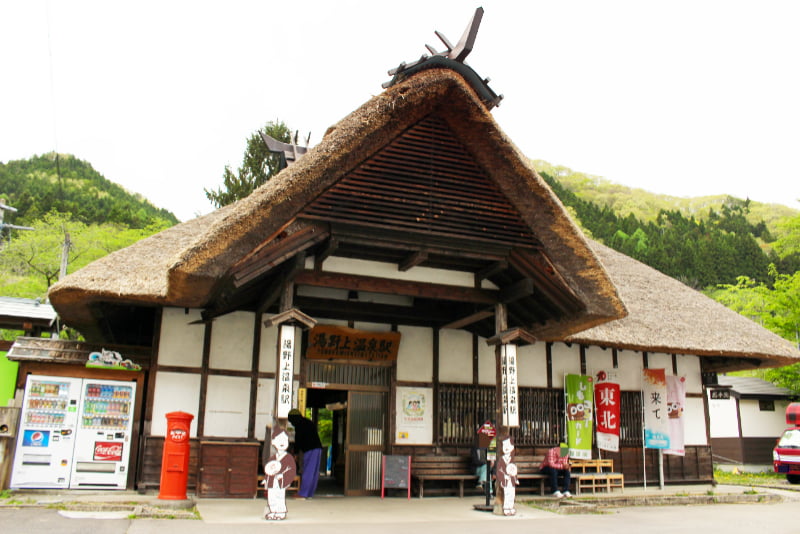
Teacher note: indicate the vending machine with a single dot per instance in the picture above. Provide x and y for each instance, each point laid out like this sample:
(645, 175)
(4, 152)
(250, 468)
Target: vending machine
(103, 438)
(47, 429)
(74, 433)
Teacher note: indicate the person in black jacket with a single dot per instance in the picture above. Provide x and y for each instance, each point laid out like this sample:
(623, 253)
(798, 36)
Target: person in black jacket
(306, 440)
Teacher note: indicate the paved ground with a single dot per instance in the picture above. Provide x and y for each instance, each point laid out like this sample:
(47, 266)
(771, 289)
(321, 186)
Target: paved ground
(768, 510)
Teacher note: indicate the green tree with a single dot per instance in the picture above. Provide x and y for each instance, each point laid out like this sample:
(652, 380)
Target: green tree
(258, 166)
(789, 242)
(31, 262)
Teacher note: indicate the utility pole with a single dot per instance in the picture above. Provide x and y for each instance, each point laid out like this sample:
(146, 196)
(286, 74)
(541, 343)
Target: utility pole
(64, 254)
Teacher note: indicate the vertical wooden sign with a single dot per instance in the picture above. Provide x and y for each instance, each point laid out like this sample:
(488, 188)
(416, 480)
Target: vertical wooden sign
(285, 371)
(510, 386)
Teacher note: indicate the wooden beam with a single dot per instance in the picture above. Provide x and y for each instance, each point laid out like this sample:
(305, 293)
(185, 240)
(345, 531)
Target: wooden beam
(500, 318)
(292, 315)
(470, 319)
(325, 253)
(516, 291)
(397, 287)
(275, 254)
(276, 288)
(413, 260)
(450, 246)
(513, 334)
(418, 315)
(491, 270)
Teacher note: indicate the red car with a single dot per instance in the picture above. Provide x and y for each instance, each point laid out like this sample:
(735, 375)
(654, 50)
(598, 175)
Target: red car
(786, 455)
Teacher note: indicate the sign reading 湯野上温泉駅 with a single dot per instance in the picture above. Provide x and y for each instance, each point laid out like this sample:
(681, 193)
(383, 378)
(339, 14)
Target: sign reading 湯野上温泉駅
(326, 342)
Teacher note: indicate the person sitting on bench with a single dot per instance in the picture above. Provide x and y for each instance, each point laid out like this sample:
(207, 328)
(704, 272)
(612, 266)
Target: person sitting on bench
(555, 466)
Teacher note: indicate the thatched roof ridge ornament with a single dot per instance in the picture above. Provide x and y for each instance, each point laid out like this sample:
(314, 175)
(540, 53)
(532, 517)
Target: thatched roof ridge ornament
(452, 58)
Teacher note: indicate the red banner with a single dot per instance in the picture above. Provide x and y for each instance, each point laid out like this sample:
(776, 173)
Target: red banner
(606, 401)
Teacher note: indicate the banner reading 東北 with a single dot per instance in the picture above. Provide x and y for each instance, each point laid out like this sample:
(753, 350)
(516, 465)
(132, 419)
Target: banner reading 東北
(654, 403)
(607, 406)
(676, 400)
(579, 394)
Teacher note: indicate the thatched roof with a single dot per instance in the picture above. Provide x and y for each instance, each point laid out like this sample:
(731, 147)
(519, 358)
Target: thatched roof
(665, 315)
(181, 265)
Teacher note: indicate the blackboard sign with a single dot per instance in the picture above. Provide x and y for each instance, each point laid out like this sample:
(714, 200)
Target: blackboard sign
(396, 473)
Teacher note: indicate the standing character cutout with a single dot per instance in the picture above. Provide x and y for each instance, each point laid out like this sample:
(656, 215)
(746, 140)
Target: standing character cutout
(506, 473)
(279, 472)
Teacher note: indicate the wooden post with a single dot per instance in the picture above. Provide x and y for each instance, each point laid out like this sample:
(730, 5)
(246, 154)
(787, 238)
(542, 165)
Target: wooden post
(500, 325)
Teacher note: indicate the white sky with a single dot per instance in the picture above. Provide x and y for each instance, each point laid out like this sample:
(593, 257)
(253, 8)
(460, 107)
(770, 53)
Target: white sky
(686, 98)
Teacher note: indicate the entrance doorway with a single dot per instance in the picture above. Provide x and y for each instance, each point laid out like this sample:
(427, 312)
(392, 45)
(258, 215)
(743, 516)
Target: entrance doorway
(354, 422)
(356, 395)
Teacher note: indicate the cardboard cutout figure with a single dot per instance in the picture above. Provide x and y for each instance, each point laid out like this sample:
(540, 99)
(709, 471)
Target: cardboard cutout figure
(279, 472)
(506, 473)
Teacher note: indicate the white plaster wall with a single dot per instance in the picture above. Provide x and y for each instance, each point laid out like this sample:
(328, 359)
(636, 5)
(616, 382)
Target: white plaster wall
(175, 392)
(598, 359)
(227, 406)
(566, 361)
(265, 405)
(455, 356)
(232, 341)
(389, 270)
(181, 343)
(659, 360)
(487, 363)
(724, 419)
(268, 348)
(415, 356)
(689, 366)
(629, 372)
(758, 424)
(532, 365)
(694, 424)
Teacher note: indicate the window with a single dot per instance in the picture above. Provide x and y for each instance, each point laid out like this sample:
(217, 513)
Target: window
(463, 408)
(766, 405)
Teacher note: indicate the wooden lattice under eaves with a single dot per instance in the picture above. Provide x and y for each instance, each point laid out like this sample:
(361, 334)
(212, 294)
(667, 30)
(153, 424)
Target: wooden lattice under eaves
(425, 182)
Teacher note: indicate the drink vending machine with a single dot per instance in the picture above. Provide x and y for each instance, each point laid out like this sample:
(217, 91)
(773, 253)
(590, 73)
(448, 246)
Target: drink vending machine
(74, 433)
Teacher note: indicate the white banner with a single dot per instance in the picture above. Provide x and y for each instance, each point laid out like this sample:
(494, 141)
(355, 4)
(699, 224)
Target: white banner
(654, 403)
(676, 400)
(285, 371)
(510, 388)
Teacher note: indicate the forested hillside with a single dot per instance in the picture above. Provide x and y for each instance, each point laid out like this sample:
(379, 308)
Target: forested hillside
(717, 246)
(646, 206)
(720, 245)
(65, 184)
(77, 216)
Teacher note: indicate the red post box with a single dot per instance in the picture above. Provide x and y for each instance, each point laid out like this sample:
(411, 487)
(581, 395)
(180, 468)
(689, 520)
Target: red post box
(175, 458)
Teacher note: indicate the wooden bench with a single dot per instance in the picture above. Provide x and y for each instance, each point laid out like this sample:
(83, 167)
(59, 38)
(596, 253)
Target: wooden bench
(445, 468)
(595, 474)
(528, 469)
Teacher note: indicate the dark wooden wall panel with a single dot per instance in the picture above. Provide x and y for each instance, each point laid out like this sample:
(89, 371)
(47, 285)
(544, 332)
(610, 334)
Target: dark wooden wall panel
(150, 466)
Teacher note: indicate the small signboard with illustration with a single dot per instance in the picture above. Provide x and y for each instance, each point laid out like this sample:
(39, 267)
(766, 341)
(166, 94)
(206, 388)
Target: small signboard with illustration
(414, 420)
(109, 359)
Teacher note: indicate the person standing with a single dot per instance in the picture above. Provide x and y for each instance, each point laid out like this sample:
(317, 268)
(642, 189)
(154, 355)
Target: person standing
(306, 440)
(555, 466)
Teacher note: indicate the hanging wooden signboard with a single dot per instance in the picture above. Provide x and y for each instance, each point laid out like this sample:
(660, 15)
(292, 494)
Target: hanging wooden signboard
(328, 342)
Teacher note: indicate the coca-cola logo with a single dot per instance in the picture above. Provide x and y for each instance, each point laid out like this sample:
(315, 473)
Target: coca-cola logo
(178, 434)
(107, 451)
